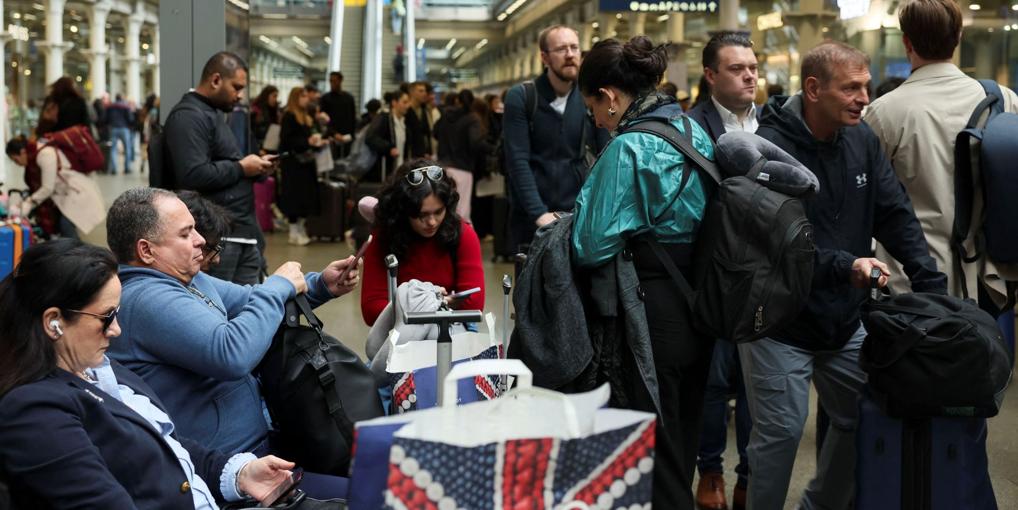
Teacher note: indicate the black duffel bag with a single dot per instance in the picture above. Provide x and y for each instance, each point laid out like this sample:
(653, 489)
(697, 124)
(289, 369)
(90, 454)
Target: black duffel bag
(315, 388)
(934, 355)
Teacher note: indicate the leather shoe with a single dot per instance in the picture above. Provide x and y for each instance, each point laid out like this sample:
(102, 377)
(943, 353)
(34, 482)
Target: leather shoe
(710, 492)
(739, 498)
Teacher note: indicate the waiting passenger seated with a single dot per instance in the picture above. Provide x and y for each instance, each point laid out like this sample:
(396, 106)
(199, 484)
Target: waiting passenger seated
(194, 338)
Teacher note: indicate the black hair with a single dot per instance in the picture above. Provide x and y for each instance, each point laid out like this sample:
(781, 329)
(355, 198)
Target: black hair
(211, 220)
(395, 96)
(703, 90)
(133, 216)
(635, 67)
(373, 106)
(336, 74)
(669, 89)
(311, 87)
(399, 201)
(720, 40)
(16, 145)
(225, 63)
(466, 99)
(63, 273)
(888, 85)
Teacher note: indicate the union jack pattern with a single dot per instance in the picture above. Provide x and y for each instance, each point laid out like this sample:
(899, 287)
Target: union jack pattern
(606, 471)
(404, 386)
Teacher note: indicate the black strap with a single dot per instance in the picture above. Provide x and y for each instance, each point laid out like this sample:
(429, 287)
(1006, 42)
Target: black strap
(683, 144)
(315, 356)
(684, 287)
(530, 99)
(305, 309)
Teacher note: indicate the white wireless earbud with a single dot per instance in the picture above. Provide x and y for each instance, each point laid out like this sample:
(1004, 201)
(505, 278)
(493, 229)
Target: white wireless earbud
(55, 326)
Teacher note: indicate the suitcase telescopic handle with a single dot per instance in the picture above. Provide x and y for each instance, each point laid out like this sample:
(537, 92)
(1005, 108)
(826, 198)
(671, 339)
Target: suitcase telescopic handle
(875, 283)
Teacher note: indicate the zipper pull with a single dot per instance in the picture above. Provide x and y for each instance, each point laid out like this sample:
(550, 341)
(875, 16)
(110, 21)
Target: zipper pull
(758, 319)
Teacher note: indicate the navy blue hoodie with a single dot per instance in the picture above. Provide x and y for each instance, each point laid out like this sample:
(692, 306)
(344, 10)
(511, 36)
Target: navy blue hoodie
(860, 198)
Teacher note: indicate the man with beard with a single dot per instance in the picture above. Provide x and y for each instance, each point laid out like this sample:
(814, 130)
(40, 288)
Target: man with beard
(205, 158)
(546, 141)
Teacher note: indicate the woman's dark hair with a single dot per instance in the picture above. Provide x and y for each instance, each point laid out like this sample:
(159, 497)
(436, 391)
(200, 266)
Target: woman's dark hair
(466, 99)
(65, 273)
(211, 220)
(63, 89)
(479, 108)
(635, 67)
(262, 101)
(399, 201)
(150, 102)
(373, 106)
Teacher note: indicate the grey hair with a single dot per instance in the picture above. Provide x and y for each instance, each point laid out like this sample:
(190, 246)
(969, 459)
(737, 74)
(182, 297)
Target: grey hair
(133, 216)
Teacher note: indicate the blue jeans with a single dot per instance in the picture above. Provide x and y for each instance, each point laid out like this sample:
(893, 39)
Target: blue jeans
(123, 135)
(725, 371)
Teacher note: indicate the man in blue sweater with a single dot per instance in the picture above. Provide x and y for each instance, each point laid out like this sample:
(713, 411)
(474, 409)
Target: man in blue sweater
(194, 338)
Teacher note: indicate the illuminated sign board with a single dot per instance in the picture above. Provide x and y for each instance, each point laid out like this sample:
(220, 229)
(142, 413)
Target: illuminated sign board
(853, 8)
(769, 21)
(660, 6)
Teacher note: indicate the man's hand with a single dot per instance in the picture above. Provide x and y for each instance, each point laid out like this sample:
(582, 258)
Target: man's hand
(545, 219)
(861, 270)
(258, 477)
(255, 165)
(291, 271)
(334, 272)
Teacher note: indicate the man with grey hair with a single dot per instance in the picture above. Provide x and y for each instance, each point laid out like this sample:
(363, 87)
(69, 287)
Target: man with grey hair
(195, 339)
(203, 156)
(859, 199)
(547, 133)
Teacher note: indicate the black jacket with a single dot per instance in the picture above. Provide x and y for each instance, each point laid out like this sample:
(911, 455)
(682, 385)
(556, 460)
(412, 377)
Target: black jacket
(66, 443)
(418, 133)
(72, 111)
(341, 110)
(468, 143)
(860, 198)
(205, 158)
(546, 167)
(381, 137)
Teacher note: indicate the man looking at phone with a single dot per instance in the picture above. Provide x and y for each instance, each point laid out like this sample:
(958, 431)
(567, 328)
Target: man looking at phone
(204, 157)
(194, 338)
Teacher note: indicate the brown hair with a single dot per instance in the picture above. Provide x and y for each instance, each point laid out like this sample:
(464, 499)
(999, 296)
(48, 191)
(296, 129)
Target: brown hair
(542, 38)
(293, 106)
(933, 27)
(821, 61)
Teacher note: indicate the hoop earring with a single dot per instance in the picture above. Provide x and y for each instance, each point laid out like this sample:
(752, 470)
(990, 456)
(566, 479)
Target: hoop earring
(611, 111)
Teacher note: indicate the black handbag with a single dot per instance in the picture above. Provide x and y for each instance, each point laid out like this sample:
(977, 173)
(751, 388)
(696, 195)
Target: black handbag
(934, 355)
(315, 388)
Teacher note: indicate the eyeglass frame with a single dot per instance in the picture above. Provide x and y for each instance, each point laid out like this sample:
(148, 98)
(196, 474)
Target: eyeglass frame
(107, 319)
(425, 172)
(565, 50)
(215, 250)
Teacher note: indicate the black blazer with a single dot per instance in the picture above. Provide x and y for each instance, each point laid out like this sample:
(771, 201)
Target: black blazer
(706, 115)
(64, 443)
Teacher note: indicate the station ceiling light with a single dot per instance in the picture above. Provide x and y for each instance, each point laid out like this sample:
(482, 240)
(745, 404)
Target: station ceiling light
(595, 25)
(73, 29)
(975, 7)
(327, 39)
(1014, 7)
(420, 43)
(458, 52)
(452, 42)
(662, 18)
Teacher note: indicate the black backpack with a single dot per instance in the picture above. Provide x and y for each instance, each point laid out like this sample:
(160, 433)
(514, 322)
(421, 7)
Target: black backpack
(315, 388)
(161, 173)
(997, 233)
(753, 254)
(934, 355)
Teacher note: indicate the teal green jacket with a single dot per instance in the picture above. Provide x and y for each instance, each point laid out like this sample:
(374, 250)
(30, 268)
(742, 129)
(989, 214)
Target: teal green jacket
(629, 188)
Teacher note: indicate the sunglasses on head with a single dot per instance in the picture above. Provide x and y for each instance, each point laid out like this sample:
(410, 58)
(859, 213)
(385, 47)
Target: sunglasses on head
(416, 176)
(106, 318)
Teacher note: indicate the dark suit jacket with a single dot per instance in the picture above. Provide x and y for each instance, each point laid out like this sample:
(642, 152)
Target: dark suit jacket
(381, 137)
(65, 443)
(706, 115)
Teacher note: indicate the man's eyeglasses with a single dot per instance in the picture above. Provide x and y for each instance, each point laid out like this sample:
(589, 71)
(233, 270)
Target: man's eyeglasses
(416, 176)
(214, 250)
(106, 318)
(565, 50)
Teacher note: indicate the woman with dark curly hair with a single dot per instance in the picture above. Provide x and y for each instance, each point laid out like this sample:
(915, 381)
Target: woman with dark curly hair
(416, 221)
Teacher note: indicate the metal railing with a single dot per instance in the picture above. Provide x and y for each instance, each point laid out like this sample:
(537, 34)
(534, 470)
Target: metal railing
(291, 7)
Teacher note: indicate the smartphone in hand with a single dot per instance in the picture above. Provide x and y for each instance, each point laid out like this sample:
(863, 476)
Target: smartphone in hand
(356, 260)
(283, 490)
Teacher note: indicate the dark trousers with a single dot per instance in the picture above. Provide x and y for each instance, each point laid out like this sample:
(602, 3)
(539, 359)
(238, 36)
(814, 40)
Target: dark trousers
(682, 360)
(239, 263)
(724, 380)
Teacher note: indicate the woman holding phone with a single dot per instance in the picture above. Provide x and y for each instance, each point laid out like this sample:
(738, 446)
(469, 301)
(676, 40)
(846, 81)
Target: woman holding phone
(416, 221)
(297, 144)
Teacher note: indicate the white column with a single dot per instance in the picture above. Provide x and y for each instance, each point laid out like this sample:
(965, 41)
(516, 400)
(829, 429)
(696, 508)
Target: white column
(371, 80)
(336, 34)
(410, 43)
(155, 51)
(729, 15)
(55, 45)
(132, 46)
(98, 49)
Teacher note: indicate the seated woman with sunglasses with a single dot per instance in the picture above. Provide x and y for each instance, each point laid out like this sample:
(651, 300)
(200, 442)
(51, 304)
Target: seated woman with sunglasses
(416, 221)
(79, 430)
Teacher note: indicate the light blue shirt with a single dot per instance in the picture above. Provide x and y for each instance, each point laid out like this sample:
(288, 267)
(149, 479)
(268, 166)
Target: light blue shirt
(106, 380)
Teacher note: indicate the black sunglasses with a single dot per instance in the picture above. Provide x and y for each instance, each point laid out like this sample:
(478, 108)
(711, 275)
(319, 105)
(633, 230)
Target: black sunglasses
(106, 318)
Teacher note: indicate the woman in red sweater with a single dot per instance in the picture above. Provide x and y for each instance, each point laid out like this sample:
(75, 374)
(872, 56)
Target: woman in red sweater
(416, 221)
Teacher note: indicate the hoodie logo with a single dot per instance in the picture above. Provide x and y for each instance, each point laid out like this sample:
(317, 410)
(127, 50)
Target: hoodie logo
(860, 181)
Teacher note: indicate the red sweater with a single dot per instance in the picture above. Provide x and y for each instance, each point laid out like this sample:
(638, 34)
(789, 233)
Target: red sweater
(427, 261)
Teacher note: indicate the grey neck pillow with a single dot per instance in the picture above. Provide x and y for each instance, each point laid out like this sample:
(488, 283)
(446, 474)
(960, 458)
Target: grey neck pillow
(745, 154)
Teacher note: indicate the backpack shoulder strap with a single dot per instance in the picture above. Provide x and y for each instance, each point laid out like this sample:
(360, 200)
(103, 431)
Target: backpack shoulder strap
(673, 271)
(683, 144)
(992, 89)
(530, 100)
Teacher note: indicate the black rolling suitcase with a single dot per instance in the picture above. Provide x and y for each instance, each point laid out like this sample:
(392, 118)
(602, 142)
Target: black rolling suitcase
(502, 247)
(334, 203)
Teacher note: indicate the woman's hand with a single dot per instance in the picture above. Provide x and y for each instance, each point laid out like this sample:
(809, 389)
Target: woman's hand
(258, 477)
